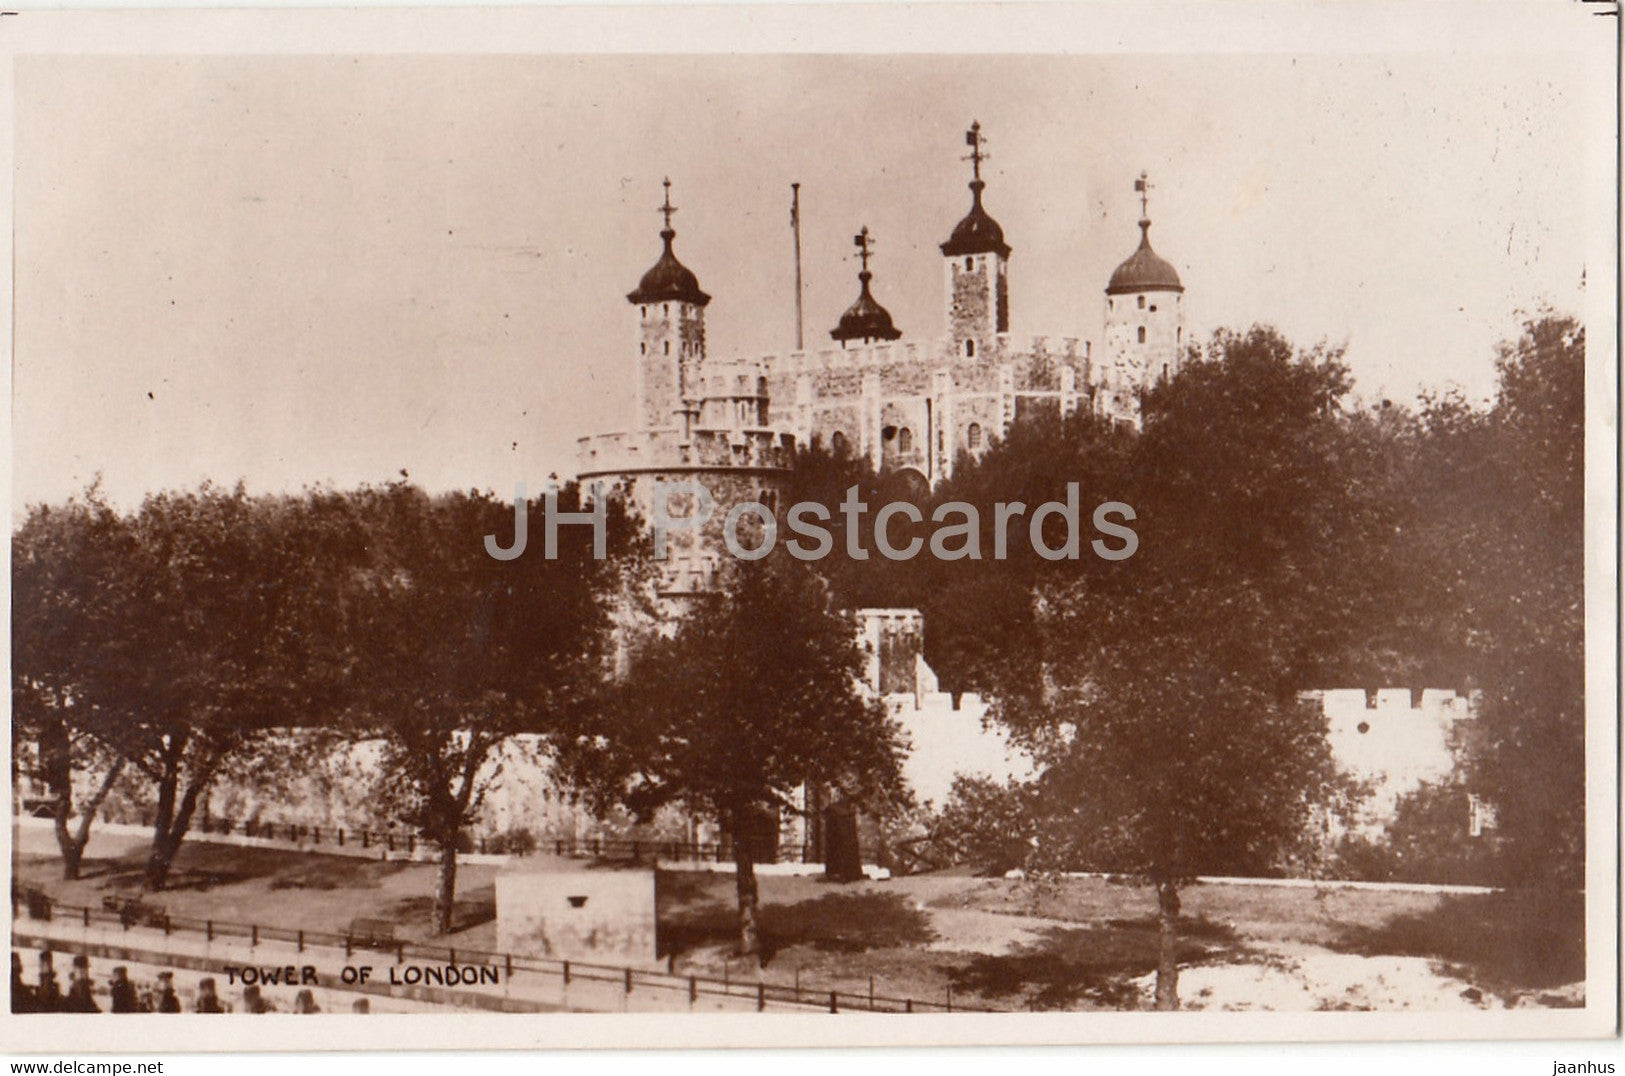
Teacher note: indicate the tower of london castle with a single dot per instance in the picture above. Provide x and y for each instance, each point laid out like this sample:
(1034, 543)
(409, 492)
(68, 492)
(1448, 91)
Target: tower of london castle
(731, 424)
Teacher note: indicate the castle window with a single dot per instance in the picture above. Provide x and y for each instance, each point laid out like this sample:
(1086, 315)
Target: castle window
(643, 349)
(970, 263)
(837, 443)
(768, 499)
(643, 310)
(1142, 334)
(905, 440)
(668, 342)
(888, 432)
(970, 349)
(665, 308)
(1363, 727)
(973, 435)
(1153, 308)
(1179, 336)
(1142, 303)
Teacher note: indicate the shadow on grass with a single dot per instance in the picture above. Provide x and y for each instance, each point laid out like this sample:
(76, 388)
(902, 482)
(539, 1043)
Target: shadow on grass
(1069, 965)
(834, 922)
(1507, 942)
(415, 914)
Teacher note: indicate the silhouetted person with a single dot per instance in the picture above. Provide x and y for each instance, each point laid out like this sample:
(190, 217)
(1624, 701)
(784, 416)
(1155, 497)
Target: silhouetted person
(47, 994)
(305, 1002)
(207, 999)
(81, 991)
(121, 992)
(22, 995)
(167, 1000)
(254, 1002)
(361, 1005)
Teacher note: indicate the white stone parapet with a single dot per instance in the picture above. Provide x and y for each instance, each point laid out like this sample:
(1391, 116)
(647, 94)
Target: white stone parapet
(631, 451)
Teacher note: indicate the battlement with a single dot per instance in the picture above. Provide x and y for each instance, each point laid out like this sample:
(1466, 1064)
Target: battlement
(672, 448)
(737, 372)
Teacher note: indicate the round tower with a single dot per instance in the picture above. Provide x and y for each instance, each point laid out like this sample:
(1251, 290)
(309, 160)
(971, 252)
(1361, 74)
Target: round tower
(977, 267)
(1145, 321)
(670, 332)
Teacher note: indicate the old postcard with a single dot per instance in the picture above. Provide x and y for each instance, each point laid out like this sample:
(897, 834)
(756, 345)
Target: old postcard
(809, 525)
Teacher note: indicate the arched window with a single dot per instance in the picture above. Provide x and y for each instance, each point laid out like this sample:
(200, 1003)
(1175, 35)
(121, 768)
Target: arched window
(837, 443)
(665, 308)
(973, 435)
(969, 264)
(643, 348)
(970, 349)
(668, 342)
(1142, 334)
(1179, 336)
(905, 440)
(1142, 302)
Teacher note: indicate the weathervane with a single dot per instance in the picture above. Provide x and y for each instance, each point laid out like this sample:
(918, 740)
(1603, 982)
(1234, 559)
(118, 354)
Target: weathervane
(1143, 186)
(667, 209)
(974, 139)
(865, 247)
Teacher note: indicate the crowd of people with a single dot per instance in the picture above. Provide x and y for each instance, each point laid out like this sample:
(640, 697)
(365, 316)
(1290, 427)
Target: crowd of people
(123, 994)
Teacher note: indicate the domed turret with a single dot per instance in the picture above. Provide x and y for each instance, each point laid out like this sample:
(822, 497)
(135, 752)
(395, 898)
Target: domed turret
(977, 233)
(1145, 323)
(670, 310)
(976, 259)
(866, 319)
(1145, 269)
(668, 280)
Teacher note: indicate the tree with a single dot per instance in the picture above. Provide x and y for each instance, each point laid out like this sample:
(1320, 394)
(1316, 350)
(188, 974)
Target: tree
(449, 653)
(758, 690)
(67, 622)
(1166, 714)
(230, 633)
(170, 636)
(1501, 521)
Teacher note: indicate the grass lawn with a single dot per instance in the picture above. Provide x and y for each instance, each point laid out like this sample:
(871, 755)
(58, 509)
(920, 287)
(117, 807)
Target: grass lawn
(996, 943)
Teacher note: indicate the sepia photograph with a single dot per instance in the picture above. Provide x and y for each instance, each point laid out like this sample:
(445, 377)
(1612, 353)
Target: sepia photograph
(682, 512)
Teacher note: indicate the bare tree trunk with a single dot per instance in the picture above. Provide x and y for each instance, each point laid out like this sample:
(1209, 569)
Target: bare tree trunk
(750, 936)
(72, 842)
(445, 900)
(1167, 947)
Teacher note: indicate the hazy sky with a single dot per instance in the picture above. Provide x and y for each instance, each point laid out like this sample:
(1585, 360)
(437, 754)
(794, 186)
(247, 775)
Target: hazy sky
(305, 269)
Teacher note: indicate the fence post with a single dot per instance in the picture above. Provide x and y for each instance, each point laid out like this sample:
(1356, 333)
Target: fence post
(208, 928)
(301, 941)
(950, 990)
(566, 973)
(87, 916)
(833, 1007)
(451, 957)
(349, 944)
(628, 980)
(254, 935)
(341, 838)
(871, 993)
(364, 836)
(411, 843)
(908, 1004)
(693, 991)
(761, 996)
(400, 952)
(507, 960)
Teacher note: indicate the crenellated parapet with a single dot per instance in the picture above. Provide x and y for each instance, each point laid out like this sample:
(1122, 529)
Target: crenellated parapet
(674, 449)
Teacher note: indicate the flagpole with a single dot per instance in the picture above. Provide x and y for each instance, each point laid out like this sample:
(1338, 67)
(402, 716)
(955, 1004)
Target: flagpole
(795, 227)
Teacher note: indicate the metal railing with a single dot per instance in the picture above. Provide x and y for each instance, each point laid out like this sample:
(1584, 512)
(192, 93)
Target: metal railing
(130, 915)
